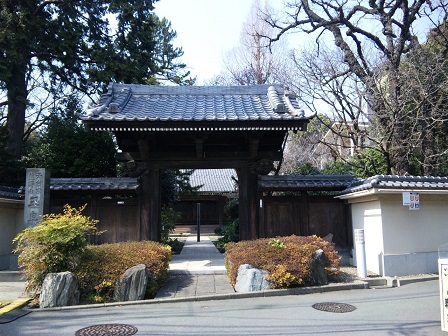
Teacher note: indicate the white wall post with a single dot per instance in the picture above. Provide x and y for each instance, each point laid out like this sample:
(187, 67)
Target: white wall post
(360, 248)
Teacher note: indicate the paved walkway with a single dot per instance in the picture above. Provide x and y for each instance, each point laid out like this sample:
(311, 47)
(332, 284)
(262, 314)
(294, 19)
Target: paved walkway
(198, 270)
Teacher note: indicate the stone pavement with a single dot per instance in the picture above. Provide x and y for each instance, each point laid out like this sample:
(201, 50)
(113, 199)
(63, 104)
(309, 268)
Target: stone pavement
(197, 271)
(12, 296)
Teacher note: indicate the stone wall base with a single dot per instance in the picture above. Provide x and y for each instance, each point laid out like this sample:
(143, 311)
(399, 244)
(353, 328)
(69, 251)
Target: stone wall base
(9, 262)
(408, 263)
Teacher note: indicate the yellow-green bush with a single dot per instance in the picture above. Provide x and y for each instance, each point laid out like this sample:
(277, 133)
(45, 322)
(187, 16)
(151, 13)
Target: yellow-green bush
(102, 265)
(54, 245)
(287, 259)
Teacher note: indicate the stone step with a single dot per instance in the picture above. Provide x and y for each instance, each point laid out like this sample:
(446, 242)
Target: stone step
(11, 276)
(192, 229)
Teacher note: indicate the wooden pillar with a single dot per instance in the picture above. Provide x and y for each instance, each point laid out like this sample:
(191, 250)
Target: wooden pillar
(150, 204)
(248, 204)
(144, 206)
(155, 205)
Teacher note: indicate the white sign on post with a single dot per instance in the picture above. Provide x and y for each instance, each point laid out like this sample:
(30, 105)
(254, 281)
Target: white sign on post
(443, 284)
(443, 275)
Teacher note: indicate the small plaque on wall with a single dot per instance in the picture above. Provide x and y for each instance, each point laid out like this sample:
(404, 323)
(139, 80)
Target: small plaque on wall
(411, 199)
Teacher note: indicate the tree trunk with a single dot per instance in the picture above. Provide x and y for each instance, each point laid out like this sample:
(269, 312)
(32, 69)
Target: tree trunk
(17, 101)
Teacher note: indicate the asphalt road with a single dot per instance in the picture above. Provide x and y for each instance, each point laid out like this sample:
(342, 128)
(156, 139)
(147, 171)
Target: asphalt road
(412, 309)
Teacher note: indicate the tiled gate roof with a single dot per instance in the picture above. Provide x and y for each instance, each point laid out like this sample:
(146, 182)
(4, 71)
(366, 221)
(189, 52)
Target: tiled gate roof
(148, 103)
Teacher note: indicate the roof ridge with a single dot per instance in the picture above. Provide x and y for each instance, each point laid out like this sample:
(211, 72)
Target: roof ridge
(143, 89)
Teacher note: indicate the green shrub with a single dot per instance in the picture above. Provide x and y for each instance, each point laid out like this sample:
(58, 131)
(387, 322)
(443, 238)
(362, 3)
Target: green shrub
(287, 259)
(103, 265)
(54, 245)
(230, 232)
(168, 218)
(176, 245)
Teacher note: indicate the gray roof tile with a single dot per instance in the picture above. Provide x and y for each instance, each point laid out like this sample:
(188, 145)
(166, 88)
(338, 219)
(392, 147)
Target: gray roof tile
(126, 102)
(118, 184)
(11, 193)
(214, 180)
(305, 182)
(398, 182)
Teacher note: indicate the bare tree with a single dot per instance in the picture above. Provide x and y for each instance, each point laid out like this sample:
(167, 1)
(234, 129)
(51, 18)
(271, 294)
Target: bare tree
(366, 74)
(327, 87)
(302, 147)
(254, 61)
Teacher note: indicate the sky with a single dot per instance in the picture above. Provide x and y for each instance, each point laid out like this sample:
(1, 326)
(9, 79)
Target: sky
(206, 30)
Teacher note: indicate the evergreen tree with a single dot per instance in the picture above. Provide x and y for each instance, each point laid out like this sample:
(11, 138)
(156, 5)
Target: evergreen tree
(67, 150)
(83, 44)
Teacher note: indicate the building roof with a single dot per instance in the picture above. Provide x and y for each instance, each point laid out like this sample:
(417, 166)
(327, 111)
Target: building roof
(161, 108)
(398, 182)
(305, 182)
(11, 193)
(214, 180)
(118, 184)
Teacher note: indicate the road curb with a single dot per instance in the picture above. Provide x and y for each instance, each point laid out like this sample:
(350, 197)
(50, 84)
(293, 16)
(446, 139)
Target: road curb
(332, 287)
(214, 297)
(15, 304)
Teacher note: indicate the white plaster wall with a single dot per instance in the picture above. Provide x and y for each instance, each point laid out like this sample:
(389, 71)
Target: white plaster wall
(367, 216)
(11, 223)
(399, 241)
(407, 231)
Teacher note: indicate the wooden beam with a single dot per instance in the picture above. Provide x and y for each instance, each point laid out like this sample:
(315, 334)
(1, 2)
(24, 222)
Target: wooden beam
(143, 147)
(253, 147)
(199, 148)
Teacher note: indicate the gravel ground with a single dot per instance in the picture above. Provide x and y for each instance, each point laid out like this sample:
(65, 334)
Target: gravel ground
(350, 274)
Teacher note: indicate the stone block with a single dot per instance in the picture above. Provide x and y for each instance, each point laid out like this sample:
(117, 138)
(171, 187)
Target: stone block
(318, 274)
(251, 279)
(58, 290)
(132, 286)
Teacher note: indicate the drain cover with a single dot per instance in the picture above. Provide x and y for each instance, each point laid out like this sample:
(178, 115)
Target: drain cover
(107, 330)
(334, 307)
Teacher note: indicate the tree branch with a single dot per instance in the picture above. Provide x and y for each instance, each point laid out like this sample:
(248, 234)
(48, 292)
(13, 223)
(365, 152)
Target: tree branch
(45, 3)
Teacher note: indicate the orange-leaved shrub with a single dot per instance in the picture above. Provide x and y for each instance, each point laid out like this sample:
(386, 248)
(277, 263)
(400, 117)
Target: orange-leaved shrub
(287, 259)
(102, 266)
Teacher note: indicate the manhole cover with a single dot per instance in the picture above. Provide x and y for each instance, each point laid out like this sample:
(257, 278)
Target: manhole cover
(334, 307)
(107, 330)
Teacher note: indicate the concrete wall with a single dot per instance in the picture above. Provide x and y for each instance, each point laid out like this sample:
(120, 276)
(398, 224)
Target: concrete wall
(414, 231)
(399, 241)
(11, 223)
(367, 216)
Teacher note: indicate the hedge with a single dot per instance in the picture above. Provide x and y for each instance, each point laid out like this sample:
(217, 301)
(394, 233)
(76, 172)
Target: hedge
(102, 266)
(287, 259)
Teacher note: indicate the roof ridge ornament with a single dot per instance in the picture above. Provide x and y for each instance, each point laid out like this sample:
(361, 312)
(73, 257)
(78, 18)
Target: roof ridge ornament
(96, 110)
(292, 110)
(116, 107)
(274, 99)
